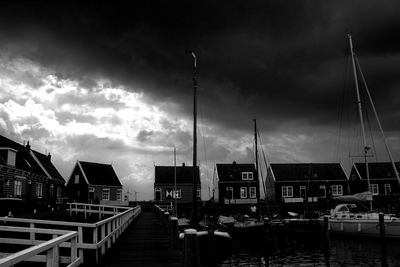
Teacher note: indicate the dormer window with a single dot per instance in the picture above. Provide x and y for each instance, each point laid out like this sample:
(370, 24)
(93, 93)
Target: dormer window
(9, 155)
(247, 175)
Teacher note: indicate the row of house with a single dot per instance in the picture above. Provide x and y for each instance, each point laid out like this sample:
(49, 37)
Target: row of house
(284, 183)
(30, 177)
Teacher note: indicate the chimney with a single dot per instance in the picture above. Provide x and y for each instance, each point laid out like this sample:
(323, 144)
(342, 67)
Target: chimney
(183, 164)
(49, 156)
(28, 147)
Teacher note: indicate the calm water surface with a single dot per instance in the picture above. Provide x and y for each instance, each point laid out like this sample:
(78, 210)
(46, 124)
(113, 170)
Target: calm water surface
(309, 251)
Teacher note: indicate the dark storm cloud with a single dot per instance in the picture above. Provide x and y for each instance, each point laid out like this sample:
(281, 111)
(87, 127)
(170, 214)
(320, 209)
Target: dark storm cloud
(282, 61)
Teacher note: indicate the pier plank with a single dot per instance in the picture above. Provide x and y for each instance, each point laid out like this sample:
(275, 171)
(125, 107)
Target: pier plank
(145, 243)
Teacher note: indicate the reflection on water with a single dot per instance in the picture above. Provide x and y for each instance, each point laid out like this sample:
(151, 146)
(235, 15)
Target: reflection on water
(315, 251)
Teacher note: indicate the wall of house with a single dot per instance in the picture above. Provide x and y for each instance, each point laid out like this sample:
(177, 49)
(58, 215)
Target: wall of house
(312, 189)
(186, 192)
(77, 191)
(222, 191)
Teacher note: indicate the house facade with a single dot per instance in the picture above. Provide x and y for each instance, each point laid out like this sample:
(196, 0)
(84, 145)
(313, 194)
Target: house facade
(94, 183)
(164, 184)
(237, 184)
(28, 175)
(383, 182)
(307, 182)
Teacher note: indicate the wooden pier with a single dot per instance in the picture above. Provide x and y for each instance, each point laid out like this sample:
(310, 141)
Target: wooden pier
(146, 242)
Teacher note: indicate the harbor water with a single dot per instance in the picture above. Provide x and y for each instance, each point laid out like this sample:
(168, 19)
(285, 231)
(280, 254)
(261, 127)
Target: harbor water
(312, 251)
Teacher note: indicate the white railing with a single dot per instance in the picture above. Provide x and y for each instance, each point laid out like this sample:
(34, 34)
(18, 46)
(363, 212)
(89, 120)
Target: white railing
(97, 236)
(59, 239)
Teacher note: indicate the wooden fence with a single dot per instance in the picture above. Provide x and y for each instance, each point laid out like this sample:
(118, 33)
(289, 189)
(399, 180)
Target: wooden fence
(96, 237)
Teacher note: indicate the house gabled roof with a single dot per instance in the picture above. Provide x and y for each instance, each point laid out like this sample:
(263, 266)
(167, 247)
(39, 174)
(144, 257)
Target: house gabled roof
(307, 171)
(377, 170)
(30, 160)
(184, 175)
(233, 171)
(99, 174)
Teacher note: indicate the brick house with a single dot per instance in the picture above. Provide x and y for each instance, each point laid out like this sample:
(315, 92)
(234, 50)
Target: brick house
(237, 183)
(164, 184)
(94, 183)
(383, 181)
(312, 182)
(28, 175)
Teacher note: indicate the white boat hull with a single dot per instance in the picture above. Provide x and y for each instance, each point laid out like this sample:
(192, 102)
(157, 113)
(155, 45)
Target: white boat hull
(368, 228)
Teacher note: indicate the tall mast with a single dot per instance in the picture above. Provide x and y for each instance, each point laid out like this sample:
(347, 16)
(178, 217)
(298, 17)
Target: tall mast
(359, 104)
(256, 156)
(396, 173)
(176, 204)
(194, 204)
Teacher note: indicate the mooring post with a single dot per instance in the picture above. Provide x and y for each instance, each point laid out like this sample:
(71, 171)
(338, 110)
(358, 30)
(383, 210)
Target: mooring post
(191, 249)
(326, 226)
(382, 225)
(165, 219)
(174, 232)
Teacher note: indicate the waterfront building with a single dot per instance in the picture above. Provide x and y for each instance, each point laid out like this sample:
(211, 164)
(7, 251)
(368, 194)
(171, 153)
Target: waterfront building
(28, 176)
(307, 182)
(237, 183)
(164, 184)
(383, 182)
(94, 183)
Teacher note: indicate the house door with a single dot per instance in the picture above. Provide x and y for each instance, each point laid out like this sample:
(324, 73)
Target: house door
(229, 193)
(303, 192)
(158, 194)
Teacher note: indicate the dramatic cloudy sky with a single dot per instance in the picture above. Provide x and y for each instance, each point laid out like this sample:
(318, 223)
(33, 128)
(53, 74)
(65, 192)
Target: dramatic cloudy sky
(110, 82)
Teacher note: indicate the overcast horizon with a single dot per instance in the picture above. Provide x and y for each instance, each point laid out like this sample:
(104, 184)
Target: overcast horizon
(111, 83)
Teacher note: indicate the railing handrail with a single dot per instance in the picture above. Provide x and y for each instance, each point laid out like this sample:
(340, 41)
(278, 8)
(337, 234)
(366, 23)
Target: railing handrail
(113, 217)
(33, 230)
(35, 250)
(98, 205)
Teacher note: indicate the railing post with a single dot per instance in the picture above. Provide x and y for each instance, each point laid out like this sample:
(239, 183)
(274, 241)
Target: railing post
(95, 243)
(85, 212)
(70, 209)
(80, 242)
(191, 249)
(174, 232)
(108, 233)
(32, 234)
(74, 248)
(103, 235)
(50, 257)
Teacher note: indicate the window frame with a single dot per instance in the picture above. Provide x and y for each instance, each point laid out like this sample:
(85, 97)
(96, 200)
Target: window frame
(285, 191)
(335, 190)
(119, 194)
(76, 179)
(39, 190)
(17, 189)
(372, 189)
(247, 176)
(178, 194)
(108, 194)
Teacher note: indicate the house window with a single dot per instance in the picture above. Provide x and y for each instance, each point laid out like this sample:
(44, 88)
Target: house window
(247, 176)
(287, 191)
(374, 189)
(119, 194)
(337, 190)
(243, 192)
(229, 192)
(76, 178)
(388, 189)
(303, 192)
(91, 189)
(17, 188)
(322, 191)
(178, 193)
(157, 194)
(39, 190)
(58, 191)
(198, 193)
(106, 194)
(253, 192)
(51, 190)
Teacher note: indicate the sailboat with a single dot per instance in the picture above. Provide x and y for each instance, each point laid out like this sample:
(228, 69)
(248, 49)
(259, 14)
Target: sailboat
(245, 227)
(214, 244)
(346, 218)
